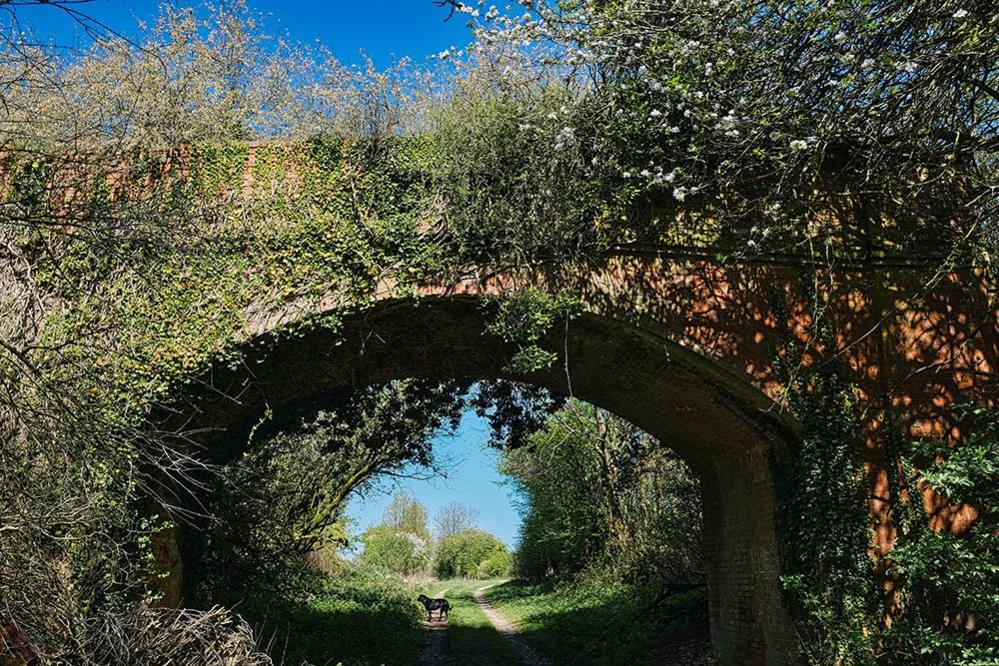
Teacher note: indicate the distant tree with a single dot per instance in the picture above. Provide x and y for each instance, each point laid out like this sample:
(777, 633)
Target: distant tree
(401, 542)
(399, 552)
(407, 516)
(464, 553)
(496, 565)
(453, 518)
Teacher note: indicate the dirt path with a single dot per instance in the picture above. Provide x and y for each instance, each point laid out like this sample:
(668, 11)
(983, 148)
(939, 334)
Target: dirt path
(437, 645)
(527, 654)
(476, 643)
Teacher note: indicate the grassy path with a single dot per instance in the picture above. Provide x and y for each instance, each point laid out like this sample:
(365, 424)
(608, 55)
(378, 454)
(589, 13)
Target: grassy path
(437, 645)
(468, 637)
(608, 624)
(527, 654)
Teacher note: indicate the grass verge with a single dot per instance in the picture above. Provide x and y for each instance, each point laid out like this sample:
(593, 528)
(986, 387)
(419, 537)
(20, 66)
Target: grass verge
(608, 623)
(358, 619)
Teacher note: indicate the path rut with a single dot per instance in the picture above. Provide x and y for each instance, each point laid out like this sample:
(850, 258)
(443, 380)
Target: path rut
(437, 645)
(437, 648)
(526, 652)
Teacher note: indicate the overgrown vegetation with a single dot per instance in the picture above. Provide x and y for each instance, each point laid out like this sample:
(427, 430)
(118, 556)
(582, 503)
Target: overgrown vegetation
(283, 500)
(580, 128)
(599, 494)
(607, 622)
(948, 584)
(610, 544)
(830, 575)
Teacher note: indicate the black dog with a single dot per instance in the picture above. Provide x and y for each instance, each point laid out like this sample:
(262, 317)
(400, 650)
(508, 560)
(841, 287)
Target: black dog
(434, 605)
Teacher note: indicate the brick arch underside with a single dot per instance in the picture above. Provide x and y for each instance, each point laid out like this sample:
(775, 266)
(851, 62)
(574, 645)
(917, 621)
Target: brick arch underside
(719, 423)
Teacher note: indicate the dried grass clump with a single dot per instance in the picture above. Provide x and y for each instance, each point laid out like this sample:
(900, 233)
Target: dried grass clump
(165, 636)
(160, 636)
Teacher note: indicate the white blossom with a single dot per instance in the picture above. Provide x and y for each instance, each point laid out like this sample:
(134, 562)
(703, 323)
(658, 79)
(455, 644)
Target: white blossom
(799, 144)
(565, 135)
(960, 13)
(661, 177)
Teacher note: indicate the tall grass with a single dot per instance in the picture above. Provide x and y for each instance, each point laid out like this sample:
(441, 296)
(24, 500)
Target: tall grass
(599, 622)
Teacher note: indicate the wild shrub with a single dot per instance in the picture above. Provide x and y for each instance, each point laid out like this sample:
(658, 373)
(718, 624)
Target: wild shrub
(467, 553)
(597, 493)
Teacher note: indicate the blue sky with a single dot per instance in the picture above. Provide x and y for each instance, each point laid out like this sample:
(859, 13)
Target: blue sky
(414, 28)
(472, 480)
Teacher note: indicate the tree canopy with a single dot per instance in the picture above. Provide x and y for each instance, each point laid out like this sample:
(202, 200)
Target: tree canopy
(469, 552)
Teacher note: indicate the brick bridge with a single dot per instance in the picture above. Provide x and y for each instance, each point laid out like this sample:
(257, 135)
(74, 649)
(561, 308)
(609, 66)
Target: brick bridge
(684, 347)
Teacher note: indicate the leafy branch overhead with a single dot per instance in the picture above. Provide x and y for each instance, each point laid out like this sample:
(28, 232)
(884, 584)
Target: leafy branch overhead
(525, 317)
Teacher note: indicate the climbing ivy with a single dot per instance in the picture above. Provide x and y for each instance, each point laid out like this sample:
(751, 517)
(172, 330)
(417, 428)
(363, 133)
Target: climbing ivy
(325, 217)
(938, 602)
(525, 317)
(948, 584)
(829, 571)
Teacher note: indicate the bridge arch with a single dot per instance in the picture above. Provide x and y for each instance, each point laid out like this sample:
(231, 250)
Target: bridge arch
(724, 427)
